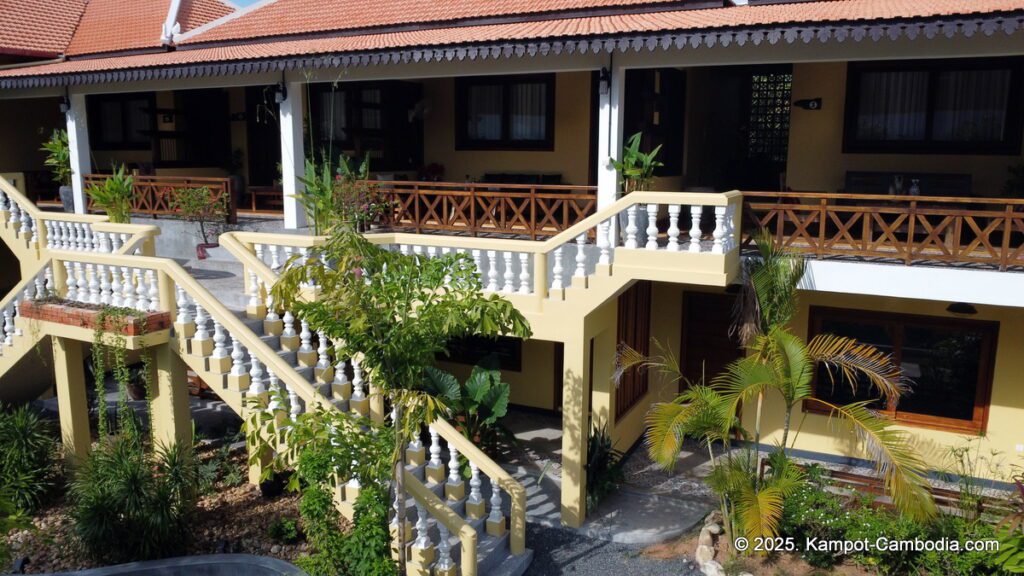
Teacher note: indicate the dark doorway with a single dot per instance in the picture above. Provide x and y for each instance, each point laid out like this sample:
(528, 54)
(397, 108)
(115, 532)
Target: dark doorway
(263, 131)
(707, 347)
(745, 142)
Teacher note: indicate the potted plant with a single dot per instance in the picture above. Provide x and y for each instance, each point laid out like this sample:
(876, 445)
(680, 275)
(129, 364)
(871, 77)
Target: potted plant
(636, 168)
(58, 160)
(636, 171)
(115, 196)
(199, 205)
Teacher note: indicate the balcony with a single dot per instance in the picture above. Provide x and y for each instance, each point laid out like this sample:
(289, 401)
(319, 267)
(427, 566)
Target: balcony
(982, 232)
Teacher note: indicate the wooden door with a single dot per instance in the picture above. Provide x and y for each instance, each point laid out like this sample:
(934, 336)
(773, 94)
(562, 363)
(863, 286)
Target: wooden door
(707, 347)
(634, 330)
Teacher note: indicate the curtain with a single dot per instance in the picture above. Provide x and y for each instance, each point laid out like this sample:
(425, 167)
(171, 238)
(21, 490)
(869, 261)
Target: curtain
(483, 114)
(970, 105)
(528, 113)
(333, 123)
(893, 106)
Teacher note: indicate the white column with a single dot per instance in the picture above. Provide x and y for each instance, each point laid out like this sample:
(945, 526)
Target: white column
(78, 144)
(611, 107)
(293, 154)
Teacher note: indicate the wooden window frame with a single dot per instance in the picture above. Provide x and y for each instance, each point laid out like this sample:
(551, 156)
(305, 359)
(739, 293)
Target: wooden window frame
(462, 140)
(94, 117)
(983, 390)
(1009, 146)
(634, 319)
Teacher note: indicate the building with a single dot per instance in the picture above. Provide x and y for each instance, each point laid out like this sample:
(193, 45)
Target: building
(881, 137)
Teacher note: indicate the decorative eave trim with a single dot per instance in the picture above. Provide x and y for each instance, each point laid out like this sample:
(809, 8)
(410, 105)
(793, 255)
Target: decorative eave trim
(791, 34)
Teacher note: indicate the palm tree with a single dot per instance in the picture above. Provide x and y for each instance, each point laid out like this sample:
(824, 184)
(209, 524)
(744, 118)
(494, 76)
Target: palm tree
(779, 362)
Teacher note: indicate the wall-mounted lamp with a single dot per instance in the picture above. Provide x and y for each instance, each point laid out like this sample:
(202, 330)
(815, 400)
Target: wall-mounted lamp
(280, 93)
(961, 309)
(604, 81)
(808, 104)
(65, 105)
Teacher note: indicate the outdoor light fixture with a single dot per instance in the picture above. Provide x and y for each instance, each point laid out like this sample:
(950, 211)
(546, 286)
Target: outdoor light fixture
(605, 80)
(65, 105)
(280, 93)
(961, 308)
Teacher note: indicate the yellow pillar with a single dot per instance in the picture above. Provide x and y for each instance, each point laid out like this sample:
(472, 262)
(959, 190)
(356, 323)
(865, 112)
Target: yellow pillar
(575, 407)
(71, 398)
(172, 421)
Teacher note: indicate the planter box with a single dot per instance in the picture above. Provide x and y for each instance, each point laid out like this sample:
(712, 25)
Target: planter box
(85, 316)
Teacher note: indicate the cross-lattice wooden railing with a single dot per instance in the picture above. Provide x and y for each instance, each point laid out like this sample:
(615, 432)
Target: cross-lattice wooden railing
(908, 228)
(479, 208)
(154, 195)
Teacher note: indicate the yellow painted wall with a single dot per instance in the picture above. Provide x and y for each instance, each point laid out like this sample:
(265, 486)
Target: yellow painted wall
(1007, 406)
(817, 163)
(572, 135)
(534, 385)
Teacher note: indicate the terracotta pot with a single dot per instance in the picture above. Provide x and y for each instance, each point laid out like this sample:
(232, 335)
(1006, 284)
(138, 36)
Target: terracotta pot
(202, 248)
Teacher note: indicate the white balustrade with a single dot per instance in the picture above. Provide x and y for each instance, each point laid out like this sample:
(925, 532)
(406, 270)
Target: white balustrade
(237, 355)
(581, 256)
(524, 274)
(509, 276)
(255, 375)
(557, 282)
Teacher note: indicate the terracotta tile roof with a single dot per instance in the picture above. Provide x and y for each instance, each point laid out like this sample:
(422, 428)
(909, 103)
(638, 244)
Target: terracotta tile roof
(118, 25)
(195, 13)
(38, 27)
(286, 17)
(110, 25)
(679, 20)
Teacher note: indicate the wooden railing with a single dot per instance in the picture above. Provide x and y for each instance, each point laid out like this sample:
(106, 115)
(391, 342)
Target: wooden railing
(154, 195)
(479, 208)
(908, 228)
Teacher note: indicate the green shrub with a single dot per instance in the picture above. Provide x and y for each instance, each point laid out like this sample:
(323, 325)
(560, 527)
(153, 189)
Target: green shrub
(28, 464)
(132, 505)
(604, 466)
(284, 531)
(961, 562)
(870, 524)
(367, 548)
(814, 512)
(10, 518)
(115, 196)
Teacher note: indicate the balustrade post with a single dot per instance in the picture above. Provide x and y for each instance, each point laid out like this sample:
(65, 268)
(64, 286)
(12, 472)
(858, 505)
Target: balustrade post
(696, 212)
(719, 232)
(435, 472)
(475, 506)
(652, 227)
(540, 275)
(673, 228)
(581, 256)
(631, 229)
(454, 488)
(496, 518)
(524, 273)
(509, 275)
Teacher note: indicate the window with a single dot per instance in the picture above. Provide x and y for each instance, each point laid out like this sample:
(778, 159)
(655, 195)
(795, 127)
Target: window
(656, 106)
(505, 112)
(472, 350)
(949, 106)
(768, 136)
(121, 121)
(948, 362)
(379, 119)
(634, 330)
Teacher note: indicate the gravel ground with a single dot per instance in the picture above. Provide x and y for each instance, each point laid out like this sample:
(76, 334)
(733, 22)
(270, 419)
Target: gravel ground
(562, 551)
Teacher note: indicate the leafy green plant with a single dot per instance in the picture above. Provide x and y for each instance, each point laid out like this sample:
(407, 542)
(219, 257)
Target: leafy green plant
(781, 363)
(58, 157)
(11, 518)
(325, 447)
(604, 466)
(636, 168)
(284, 531)
(200, 205)
(475, 405)
(1010, 532)
(131, 505)
(339, 194)
(814, 512)
(115, 196)
(966, 464)
(28, 464)
(397, 313)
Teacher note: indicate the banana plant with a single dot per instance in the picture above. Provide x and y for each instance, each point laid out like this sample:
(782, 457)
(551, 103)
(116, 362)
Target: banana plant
(115, 196)
(636, 168)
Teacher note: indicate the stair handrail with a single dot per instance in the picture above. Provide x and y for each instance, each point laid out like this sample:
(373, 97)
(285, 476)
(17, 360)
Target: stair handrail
(172, 275)
(443, 513)
(494, 471)
(170, 269)
(139, 233)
